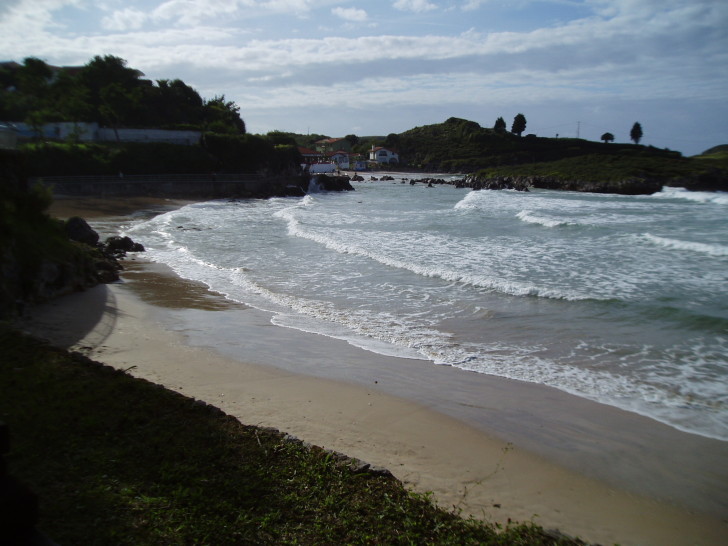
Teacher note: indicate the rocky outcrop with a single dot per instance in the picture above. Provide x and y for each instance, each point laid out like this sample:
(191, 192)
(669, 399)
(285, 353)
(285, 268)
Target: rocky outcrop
(334, 183)
(78, 229)
(518, 183)
(118, 246)
(714, 180)
(630, 186)
(85, 263)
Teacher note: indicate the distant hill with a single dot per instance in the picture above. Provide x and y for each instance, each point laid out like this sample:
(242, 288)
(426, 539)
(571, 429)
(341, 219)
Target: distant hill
(717, 155)
(459, 145)
(721, 149)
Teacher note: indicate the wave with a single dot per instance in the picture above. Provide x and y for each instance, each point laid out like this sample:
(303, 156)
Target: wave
(505, 286)
(486, 199)
(530, 218)
(717, 197)
(711, 249)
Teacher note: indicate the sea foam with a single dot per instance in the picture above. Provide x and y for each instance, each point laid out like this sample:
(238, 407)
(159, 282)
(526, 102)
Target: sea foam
(691, 246)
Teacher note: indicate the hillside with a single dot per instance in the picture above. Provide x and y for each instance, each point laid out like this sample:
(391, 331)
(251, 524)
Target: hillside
(459, 145)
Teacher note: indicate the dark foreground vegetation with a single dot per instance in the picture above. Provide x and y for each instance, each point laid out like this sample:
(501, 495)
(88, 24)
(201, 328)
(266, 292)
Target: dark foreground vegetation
(118, 460)
(38, 261)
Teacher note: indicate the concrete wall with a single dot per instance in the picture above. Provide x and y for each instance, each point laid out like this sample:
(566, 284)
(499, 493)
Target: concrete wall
(91, 132)
(189, 138)
(8, 138)
(174, 186)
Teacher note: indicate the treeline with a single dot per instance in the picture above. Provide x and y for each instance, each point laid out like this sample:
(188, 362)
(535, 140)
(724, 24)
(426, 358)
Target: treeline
(359, 145)
(107, 91)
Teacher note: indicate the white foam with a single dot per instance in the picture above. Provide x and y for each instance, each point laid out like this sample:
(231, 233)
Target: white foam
(691, 246)
(530, 218)
(506, 286)
(717, 197)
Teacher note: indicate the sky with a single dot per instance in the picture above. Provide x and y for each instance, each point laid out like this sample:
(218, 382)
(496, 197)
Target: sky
(374, 67)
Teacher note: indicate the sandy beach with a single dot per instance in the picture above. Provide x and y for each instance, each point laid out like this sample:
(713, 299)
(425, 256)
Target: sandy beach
(493, 448)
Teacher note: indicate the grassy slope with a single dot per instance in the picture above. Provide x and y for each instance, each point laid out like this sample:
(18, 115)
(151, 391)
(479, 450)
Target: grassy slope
(463, 146)
(118, 460)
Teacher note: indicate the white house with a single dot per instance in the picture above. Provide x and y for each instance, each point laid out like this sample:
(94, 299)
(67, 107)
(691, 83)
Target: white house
(341, 158)
(383, 155)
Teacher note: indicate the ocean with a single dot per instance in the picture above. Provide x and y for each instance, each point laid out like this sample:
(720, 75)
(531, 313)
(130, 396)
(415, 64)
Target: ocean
(622, 300)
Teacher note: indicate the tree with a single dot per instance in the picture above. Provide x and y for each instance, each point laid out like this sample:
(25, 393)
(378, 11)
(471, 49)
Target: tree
(118, 105)
(392, 141)
(33, 77)
(607, 138)
(37, 119)
(636, 133)
(280, 138)
(352, 139)
(223, 116)
(500, 125)
(174, 102)
(519, 124)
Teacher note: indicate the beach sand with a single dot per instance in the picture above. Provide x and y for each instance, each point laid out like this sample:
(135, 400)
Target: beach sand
(493, 448)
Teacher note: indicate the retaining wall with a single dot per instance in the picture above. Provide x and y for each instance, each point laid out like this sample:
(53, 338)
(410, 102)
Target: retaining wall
(170, 185)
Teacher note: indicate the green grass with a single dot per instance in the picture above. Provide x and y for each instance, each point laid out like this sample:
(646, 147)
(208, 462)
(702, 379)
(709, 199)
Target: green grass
(118, 460)
(613, 167)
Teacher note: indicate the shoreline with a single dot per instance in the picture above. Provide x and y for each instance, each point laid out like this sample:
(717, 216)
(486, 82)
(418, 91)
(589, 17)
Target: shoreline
(516, 450)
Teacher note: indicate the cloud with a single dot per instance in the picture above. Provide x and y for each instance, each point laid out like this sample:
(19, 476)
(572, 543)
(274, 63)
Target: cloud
(471, 5)
(287, 6)
(193, 13)
(350, 14)
(615, 51)
(126, 19)
(417, 6)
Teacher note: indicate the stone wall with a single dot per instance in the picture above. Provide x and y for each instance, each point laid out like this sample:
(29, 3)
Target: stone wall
(175, 186)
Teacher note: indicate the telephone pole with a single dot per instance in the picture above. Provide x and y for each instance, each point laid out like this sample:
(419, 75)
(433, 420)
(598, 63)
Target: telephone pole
(578, 128)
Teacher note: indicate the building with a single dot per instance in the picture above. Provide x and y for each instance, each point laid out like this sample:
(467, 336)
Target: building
(327, 145)
(310, 156)
(341, 158)
(383, 155)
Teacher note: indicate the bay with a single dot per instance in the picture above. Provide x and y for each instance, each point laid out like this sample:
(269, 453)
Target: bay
(618, 299)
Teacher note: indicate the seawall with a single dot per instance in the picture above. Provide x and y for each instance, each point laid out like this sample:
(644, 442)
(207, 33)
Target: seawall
(210, 185)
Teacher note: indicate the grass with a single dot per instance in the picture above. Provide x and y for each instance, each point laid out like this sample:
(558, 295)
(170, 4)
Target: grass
(609, 168)
(118, 460)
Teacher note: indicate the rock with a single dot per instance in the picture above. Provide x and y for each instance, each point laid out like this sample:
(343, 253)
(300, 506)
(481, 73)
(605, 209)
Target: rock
(334, 183)
(106, 271)
(121, 245)
(294, 191)
(630, 186)
(78, 229)
(518, 183)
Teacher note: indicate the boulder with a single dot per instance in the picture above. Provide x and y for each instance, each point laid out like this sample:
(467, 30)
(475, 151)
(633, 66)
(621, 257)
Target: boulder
(78, 229)
(334, 183)
(121, 245)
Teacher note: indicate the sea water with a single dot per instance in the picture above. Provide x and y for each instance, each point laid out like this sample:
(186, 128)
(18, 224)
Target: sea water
(619, 299)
